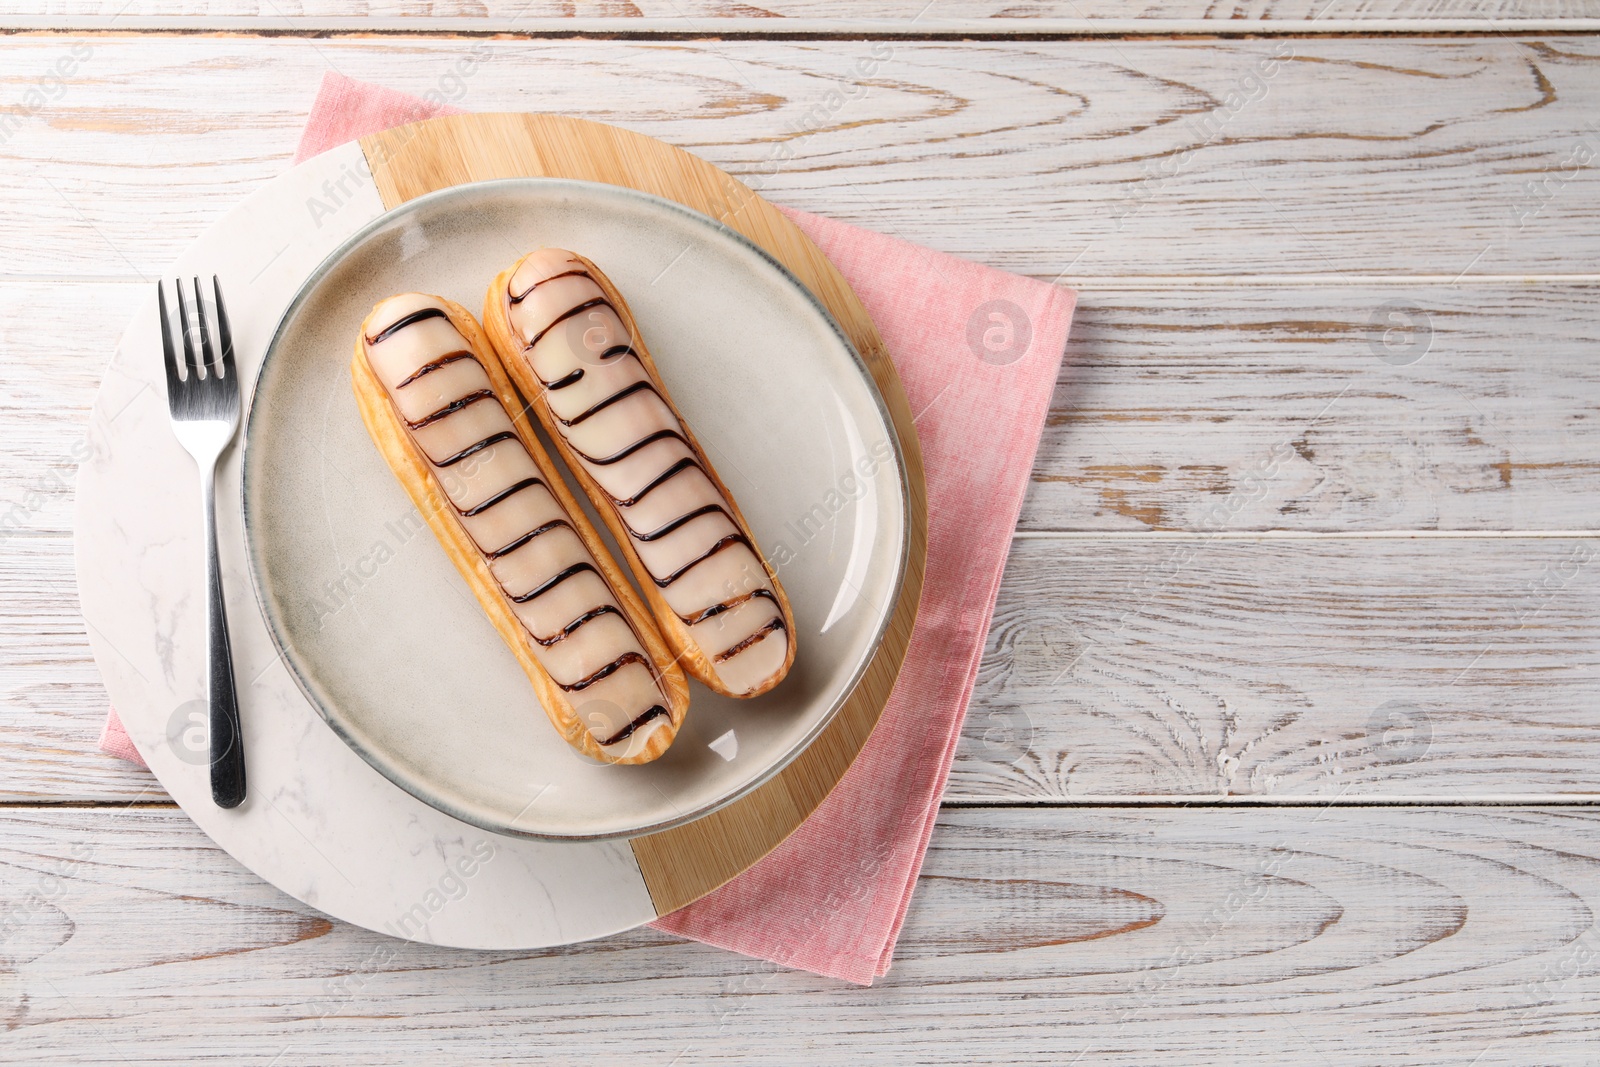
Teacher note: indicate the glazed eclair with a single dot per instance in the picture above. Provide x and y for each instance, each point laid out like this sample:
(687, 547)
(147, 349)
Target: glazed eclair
(445, 417)
(569, 341)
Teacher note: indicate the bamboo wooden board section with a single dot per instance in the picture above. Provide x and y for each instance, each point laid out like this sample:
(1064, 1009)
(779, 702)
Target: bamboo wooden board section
(683, 864)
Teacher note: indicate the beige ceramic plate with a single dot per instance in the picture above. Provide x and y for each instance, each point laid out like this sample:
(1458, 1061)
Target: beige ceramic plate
(384, 637)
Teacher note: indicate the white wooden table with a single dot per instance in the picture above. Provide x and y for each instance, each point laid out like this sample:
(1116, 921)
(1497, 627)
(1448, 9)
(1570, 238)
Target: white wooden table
(1287, 745)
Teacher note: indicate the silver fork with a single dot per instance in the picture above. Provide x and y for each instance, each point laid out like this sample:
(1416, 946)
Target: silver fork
(204, 402)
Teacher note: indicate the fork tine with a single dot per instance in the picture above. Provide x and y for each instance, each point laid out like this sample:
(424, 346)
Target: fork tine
(224, 332)
(188, 336)
(167, 348)
(205, 332)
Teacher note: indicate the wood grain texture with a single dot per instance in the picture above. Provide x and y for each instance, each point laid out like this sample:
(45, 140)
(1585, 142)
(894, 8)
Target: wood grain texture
(1411, 406)
(683, 864)
(1415, 936)
(769, 17)
(1347, 669)
(1093, 158)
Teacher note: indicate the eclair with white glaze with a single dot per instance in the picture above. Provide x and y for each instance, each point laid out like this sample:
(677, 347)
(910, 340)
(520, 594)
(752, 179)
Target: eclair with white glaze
(569, 341)
(445, 417)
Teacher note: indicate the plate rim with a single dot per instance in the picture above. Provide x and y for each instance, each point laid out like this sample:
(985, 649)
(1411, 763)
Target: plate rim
(255, 565)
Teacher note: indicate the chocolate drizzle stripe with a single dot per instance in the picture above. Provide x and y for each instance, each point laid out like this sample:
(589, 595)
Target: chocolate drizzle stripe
(607, 671)
(564, 316)
(510, 490)
(681, 520)
(618, 457)
(677, 468)
(620, 394)
(727, 654)
(539, 591)
(731, 539)
(414, 317)
(494, 438)
(727, 605)
(507, 549)
(626, 732)
(452, 407)
(433, 365)
(517, 299)
(565, 380)
(618, 350)
(577, 624)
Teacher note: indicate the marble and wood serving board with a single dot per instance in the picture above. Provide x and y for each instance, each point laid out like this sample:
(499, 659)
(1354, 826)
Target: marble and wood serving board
(321, 824)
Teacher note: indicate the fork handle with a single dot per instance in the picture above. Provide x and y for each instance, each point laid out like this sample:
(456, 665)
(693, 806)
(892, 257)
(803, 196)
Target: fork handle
(227, 744)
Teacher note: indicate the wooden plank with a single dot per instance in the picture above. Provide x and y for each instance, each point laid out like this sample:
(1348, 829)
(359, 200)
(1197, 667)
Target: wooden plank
(1343, 668)
(1330, 408)
(1094, 158)
(785, 16)
(1515, 415)
(1423, 936)
(1212, 409)
(683, 864)
(1349, 669)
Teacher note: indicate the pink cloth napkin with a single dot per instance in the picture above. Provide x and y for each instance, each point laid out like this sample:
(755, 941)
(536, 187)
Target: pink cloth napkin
(978, 350)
